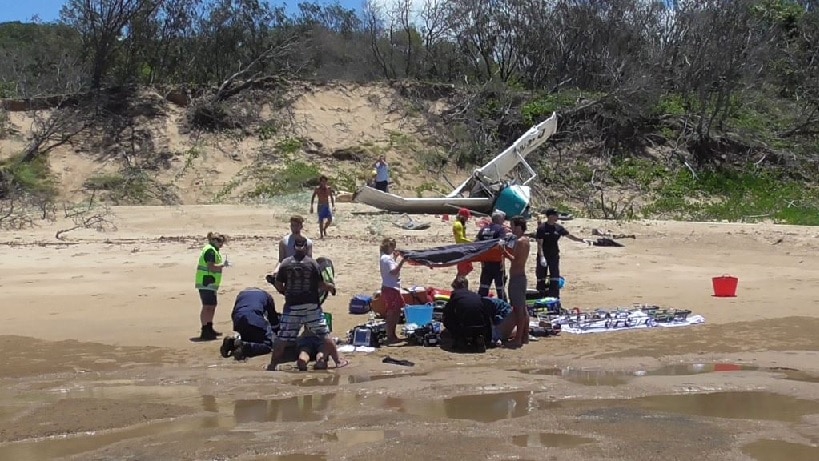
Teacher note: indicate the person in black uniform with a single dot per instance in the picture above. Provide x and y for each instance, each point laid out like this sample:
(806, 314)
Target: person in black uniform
(548, 254)
(466, 319)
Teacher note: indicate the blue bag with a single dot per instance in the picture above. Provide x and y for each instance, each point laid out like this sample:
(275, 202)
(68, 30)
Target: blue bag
(360, 304)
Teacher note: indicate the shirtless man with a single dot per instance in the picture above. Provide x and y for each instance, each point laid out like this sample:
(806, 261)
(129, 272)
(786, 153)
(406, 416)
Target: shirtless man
(517, 282)
(325, 195)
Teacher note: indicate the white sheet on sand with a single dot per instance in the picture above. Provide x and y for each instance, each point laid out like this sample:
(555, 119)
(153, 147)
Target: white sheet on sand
(634, 320)
(350, 348)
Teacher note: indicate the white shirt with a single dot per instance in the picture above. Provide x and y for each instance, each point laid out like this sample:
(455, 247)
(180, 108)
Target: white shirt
(289, 243)
(382, 172)
(388, 280)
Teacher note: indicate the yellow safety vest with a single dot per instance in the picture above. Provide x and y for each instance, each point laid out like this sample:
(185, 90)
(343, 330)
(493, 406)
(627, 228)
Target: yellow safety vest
(202, 270)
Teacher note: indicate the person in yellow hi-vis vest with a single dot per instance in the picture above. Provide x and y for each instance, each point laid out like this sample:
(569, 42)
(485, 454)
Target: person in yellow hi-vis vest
(208, 279)
(459, 231)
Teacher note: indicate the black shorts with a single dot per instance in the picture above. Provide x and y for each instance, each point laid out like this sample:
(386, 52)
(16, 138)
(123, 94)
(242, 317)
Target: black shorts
(383, 186)
(208, 297)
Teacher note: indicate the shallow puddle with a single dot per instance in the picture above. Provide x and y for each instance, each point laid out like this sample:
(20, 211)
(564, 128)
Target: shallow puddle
(294, 409)
(599, 377)
(679, 369)
(586, 377)
(550, 439)
(80, 443)
(350, 437)
(485, 408)
(733, 405)
(336, 380)
(123, 389)
(776, 450)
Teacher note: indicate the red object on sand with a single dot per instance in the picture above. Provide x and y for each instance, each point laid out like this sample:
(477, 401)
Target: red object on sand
(727, 367)
(445, 218)
(725, 286)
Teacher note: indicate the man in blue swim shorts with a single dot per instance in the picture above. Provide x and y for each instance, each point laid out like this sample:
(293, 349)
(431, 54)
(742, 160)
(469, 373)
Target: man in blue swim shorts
(326, 204)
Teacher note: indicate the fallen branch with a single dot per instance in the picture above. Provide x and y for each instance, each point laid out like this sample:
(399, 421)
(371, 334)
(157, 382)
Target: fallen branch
(88, 217)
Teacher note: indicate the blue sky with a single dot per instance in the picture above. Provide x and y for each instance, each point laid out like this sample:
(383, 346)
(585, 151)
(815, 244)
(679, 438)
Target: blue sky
(49, 10)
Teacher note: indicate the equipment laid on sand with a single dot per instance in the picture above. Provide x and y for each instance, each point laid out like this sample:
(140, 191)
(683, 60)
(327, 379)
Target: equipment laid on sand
(490, 187)
(621, 318)
(370, 334)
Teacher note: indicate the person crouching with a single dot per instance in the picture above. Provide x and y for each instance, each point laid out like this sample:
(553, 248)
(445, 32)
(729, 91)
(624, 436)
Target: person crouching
(466, 318)
(255, 320)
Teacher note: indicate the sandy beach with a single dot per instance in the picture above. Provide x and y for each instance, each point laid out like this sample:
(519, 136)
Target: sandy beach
(98, 361)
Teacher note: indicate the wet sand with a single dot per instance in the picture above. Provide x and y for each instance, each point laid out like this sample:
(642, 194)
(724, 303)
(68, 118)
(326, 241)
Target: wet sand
(98, 361)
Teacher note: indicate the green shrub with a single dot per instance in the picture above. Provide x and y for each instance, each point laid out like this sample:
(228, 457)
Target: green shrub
(295, 176)
(670, 104)
(540, 108)
(735, 196)
(30, 178)
(289, 146)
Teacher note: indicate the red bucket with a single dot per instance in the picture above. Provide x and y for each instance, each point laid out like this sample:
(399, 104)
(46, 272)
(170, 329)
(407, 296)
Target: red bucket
(725, 286)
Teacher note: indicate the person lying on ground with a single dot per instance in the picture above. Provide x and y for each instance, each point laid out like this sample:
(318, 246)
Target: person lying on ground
(311, 347)
(256, 321)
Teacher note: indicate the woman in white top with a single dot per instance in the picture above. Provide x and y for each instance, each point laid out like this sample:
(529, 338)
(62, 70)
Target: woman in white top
(391, 286)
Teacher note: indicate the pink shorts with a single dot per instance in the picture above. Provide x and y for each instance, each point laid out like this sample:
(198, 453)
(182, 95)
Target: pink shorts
(393, 301)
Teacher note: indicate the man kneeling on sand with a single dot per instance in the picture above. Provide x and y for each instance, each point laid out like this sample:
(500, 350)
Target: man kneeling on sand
(256, 321)
(466, 319)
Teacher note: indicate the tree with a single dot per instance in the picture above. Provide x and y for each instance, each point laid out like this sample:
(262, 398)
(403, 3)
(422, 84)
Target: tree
(101, 24)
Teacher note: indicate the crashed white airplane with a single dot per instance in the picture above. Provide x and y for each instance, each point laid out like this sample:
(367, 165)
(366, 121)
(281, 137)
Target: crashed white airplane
(491, 188)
